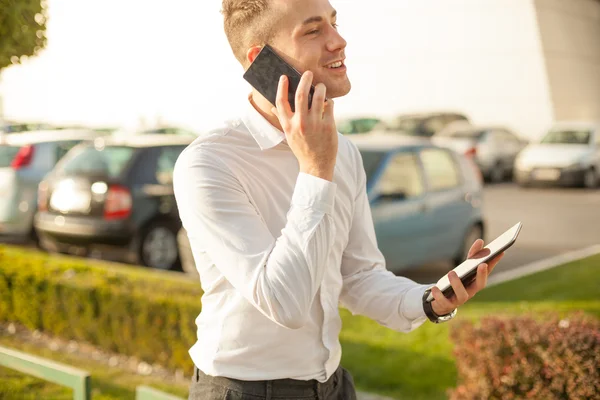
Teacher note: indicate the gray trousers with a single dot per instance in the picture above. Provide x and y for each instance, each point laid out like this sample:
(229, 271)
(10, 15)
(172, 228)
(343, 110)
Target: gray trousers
(340, 386)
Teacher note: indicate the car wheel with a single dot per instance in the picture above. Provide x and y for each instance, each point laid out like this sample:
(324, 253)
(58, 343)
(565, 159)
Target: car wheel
(474, 233)
(590, 179)
(158, 246)
(185, 253)
(497, 174)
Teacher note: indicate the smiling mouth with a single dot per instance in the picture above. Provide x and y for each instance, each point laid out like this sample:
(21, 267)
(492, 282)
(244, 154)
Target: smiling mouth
(335, 65)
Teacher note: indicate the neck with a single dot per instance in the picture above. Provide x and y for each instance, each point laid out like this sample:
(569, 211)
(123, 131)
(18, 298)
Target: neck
(263, 106)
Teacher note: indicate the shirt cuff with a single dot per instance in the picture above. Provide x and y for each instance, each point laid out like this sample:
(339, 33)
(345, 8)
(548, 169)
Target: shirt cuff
(412, 306)
(314, 192)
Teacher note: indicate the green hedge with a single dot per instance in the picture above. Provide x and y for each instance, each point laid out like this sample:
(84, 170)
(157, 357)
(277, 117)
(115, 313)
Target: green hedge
(135, 311)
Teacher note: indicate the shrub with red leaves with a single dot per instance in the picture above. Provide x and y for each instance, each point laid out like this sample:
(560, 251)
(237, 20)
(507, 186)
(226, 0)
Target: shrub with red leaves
(523, 358)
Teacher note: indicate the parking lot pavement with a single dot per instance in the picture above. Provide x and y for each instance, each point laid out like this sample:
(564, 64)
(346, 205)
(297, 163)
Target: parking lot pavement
(555, 220)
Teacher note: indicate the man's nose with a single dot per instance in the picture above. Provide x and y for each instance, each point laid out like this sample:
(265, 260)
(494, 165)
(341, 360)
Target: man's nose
(336, 41)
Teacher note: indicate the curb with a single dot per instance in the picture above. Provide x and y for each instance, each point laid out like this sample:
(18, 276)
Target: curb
(369, 396)
(543, 265)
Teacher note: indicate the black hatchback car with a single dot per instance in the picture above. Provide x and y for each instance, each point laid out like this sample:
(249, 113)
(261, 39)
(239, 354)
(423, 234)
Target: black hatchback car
(114, 194)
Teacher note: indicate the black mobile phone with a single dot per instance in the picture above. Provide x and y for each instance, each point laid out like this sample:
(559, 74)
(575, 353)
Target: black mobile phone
(266, 70)
(467, 270)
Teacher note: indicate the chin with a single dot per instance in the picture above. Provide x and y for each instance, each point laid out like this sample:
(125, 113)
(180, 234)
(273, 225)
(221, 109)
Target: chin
(339, 89)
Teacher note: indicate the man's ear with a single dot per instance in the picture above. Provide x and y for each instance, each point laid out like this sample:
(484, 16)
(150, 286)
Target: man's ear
(252, 53)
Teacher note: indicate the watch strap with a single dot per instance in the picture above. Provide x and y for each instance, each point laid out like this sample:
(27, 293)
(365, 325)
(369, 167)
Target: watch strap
(433, 317)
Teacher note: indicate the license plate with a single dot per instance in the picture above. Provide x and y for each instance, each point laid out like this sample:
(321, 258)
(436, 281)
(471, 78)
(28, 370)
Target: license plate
(71, 200)
(547, 174)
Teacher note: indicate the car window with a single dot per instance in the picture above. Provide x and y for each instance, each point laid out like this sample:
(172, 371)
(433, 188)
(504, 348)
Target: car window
(109, 161)
(433, 125)
(507, 137)
(440, 169)
(568, 136)
(7, 154)
(63, 148)
(402, 177)
(371, 160)
(166, 163)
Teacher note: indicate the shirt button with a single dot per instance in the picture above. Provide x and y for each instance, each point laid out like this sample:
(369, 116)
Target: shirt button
(236, 123)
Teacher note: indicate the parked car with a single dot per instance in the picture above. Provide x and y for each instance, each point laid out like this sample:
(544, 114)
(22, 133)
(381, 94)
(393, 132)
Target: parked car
(426, 201)
(25, 158)
(569, 154)
(169, 130)
(493, 148)
(421, 124)
(115, 193)
(351, 126)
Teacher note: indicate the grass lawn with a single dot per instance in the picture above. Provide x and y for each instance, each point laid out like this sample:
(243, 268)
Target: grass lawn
(418, 365)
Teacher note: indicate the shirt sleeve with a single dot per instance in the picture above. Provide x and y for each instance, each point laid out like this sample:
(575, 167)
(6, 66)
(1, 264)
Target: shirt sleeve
(368, 287)
(280, 276)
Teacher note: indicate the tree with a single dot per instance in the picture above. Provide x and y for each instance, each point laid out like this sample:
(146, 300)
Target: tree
(22, 30)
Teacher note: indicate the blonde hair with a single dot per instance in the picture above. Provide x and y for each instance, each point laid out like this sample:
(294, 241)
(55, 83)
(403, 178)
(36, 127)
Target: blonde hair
(247, 23)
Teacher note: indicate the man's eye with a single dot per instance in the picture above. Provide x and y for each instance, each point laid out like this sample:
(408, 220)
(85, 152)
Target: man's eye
(335, 26)
(312, 32)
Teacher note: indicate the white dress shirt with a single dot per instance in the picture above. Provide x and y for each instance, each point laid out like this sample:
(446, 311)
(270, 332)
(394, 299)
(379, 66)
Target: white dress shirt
(278, 251)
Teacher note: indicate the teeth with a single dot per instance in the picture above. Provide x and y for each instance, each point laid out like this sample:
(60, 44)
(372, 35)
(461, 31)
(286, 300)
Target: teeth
(335, 65)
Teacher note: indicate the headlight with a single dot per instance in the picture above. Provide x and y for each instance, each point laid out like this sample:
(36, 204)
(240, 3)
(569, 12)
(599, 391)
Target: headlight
(520, 164)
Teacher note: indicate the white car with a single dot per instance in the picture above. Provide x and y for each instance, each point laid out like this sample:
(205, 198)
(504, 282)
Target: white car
(569, 154)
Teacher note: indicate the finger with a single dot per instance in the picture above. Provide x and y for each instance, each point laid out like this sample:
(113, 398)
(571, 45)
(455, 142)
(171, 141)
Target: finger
(318, 102)
(492, 263)
(302, 93)
(443, 301)
(328, 113)
(283, 105)
(475, 248)
(480, 281)
(459, 289)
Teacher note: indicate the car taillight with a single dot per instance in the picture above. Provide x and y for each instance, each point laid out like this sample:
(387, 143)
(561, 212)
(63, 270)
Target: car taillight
(43, 196)
(472, 152)
(23, 157)
(118, 202)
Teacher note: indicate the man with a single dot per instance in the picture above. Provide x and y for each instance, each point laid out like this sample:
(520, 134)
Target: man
(275, 207)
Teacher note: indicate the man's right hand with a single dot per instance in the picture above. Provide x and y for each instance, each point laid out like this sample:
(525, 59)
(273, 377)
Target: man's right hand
(311, 134)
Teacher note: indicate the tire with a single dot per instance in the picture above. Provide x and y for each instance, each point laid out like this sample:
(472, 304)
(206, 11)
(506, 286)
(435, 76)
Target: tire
(590, 179)
(475, 232)
(185, 253)
(158, 246)
(497, 174)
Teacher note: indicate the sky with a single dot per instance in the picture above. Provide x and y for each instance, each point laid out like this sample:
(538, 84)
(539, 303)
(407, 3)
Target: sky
(118, 63)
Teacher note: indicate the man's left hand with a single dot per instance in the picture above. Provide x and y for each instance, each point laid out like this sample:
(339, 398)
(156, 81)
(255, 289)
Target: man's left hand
(443, 305)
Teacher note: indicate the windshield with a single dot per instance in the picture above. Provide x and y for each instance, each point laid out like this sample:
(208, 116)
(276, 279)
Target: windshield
(7, 154)
(568, 137)
(371, 160)
(108, 161)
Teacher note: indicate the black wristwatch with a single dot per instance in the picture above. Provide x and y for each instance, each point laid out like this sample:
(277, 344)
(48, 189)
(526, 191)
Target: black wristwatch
(433, 317)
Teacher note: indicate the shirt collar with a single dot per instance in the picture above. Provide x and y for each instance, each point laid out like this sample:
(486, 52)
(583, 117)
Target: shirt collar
(265, 134)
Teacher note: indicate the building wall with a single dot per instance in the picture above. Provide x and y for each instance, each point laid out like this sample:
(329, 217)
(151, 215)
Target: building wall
(570, 34)
(482, 57)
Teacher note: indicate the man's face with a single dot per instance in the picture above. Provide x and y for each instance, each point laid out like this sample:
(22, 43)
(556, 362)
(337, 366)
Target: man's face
(307, 38)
